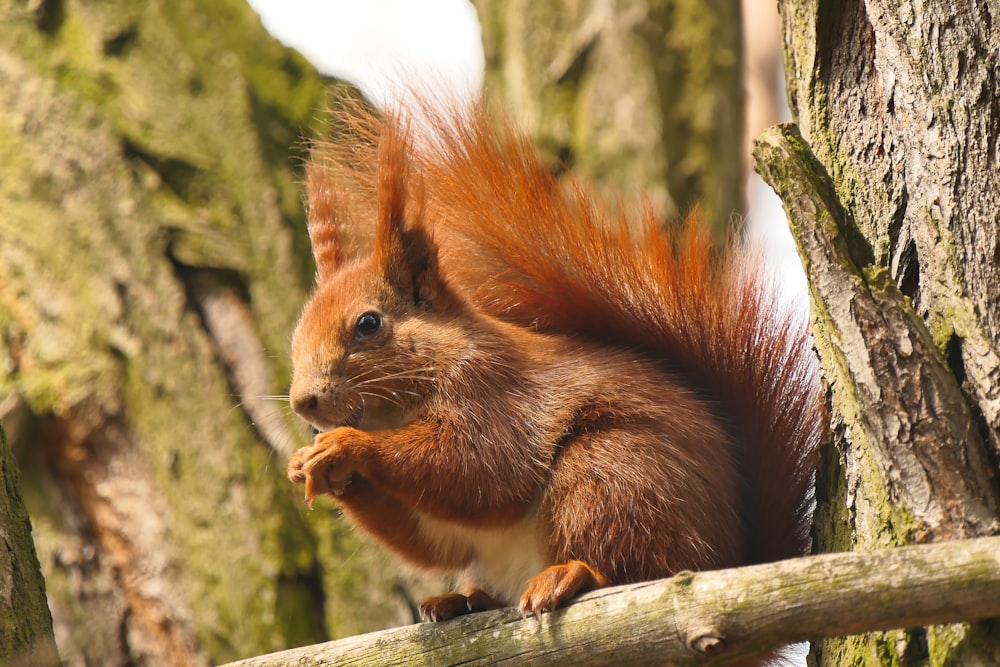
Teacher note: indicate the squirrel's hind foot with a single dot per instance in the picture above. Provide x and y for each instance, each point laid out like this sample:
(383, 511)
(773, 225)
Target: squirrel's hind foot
(444, 607)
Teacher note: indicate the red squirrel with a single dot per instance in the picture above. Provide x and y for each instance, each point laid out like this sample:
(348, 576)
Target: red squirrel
(534, 389)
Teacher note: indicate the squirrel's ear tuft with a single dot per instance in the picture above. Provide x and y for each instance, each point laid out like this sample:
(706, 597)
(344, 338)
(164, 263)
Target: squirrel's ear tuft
(323, 218)
(405, 252)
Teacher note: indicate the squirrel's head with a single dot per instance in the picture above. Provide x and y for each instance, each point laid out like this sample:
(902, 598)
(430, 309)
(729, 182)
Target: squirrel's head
(375, 334)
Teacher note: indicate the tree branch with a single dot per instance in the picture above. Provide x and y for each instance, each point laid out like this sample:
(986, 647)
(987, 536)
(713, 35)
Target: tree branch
(703, 617)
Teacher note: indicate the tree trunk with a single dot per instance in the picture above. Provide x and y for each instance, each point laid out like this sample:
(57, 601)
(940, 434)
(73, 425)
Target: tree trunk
(26, 638)
(899, 106)
(643, 96)
(153, 259)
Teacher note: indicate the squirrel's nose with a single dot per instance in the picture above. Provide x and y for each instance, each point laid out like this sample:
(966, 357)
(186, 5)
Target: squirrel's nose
(305, 404)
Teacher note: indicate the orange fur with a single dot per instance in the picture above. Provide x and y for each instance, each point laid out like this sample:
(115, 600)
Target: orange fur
(529, 387)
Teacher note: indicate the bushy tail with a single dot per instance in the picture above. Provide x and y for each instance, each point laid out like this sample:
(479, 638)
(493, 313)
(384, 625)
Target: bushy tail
(554, 256)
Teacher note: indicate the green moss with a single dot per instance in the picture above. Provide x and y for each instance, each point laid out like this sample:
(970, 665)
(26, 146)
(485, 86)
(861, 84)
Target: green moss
(964, 645)
(855, 651)
(941, 643)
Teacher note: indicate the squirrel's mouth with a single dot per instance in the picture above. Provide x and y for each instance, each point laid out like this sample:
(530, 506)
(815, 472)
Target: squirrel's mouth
(354, 418)
(370, 417)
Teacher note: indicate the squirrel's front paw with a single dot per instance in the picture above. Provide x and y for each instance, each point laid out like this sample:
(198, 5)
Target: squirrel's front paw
(558, 583)
(295, 472)
(326, 467)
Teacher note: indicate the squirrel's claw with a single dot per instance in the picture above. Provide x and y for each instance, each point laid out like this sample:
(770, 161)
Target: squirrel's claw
(310, 492)
(450, 605)
(556, 584)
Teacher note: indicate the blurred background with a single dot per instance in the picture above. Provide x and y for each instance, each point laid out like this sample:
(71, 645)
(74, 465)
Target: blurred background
(153, 259)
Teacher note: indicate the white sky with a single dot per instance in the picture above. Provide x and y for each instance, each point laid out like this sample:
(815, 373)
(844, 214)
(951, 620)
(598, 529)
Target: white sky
(373, 43)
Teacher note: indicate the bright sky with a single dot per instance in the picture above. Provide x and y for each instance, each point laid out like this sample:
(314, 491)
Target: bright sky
(372, 43)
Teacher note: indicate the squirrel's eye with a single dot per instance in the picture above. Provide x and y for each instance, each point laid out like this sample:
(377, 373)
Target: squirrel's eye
(368, 324)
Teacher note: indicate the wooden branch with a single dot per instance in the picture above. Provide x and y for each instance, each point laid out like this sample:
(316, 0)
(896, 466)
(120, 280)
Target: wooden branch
(706, 617)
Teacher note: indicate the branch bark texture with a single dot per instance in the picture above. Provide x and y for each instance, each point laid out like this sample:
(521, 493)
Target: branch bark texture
(704, 618)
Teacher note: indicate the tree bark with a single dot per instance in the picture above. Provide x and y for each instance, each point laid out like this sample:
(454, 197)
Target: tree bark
(153, 259)
(641, 96)
(895, 210)
(26, 637)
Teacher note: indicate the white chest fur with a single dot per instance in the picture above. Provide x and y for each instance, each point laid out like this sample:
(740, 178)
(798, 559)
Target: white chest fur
(503, 559)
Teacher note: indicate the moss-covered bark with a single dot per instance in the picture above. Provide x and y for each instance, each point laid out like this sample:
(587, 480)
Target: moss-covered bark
(152, 262)
(26, 637)
(899, 108)
(642, 96)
